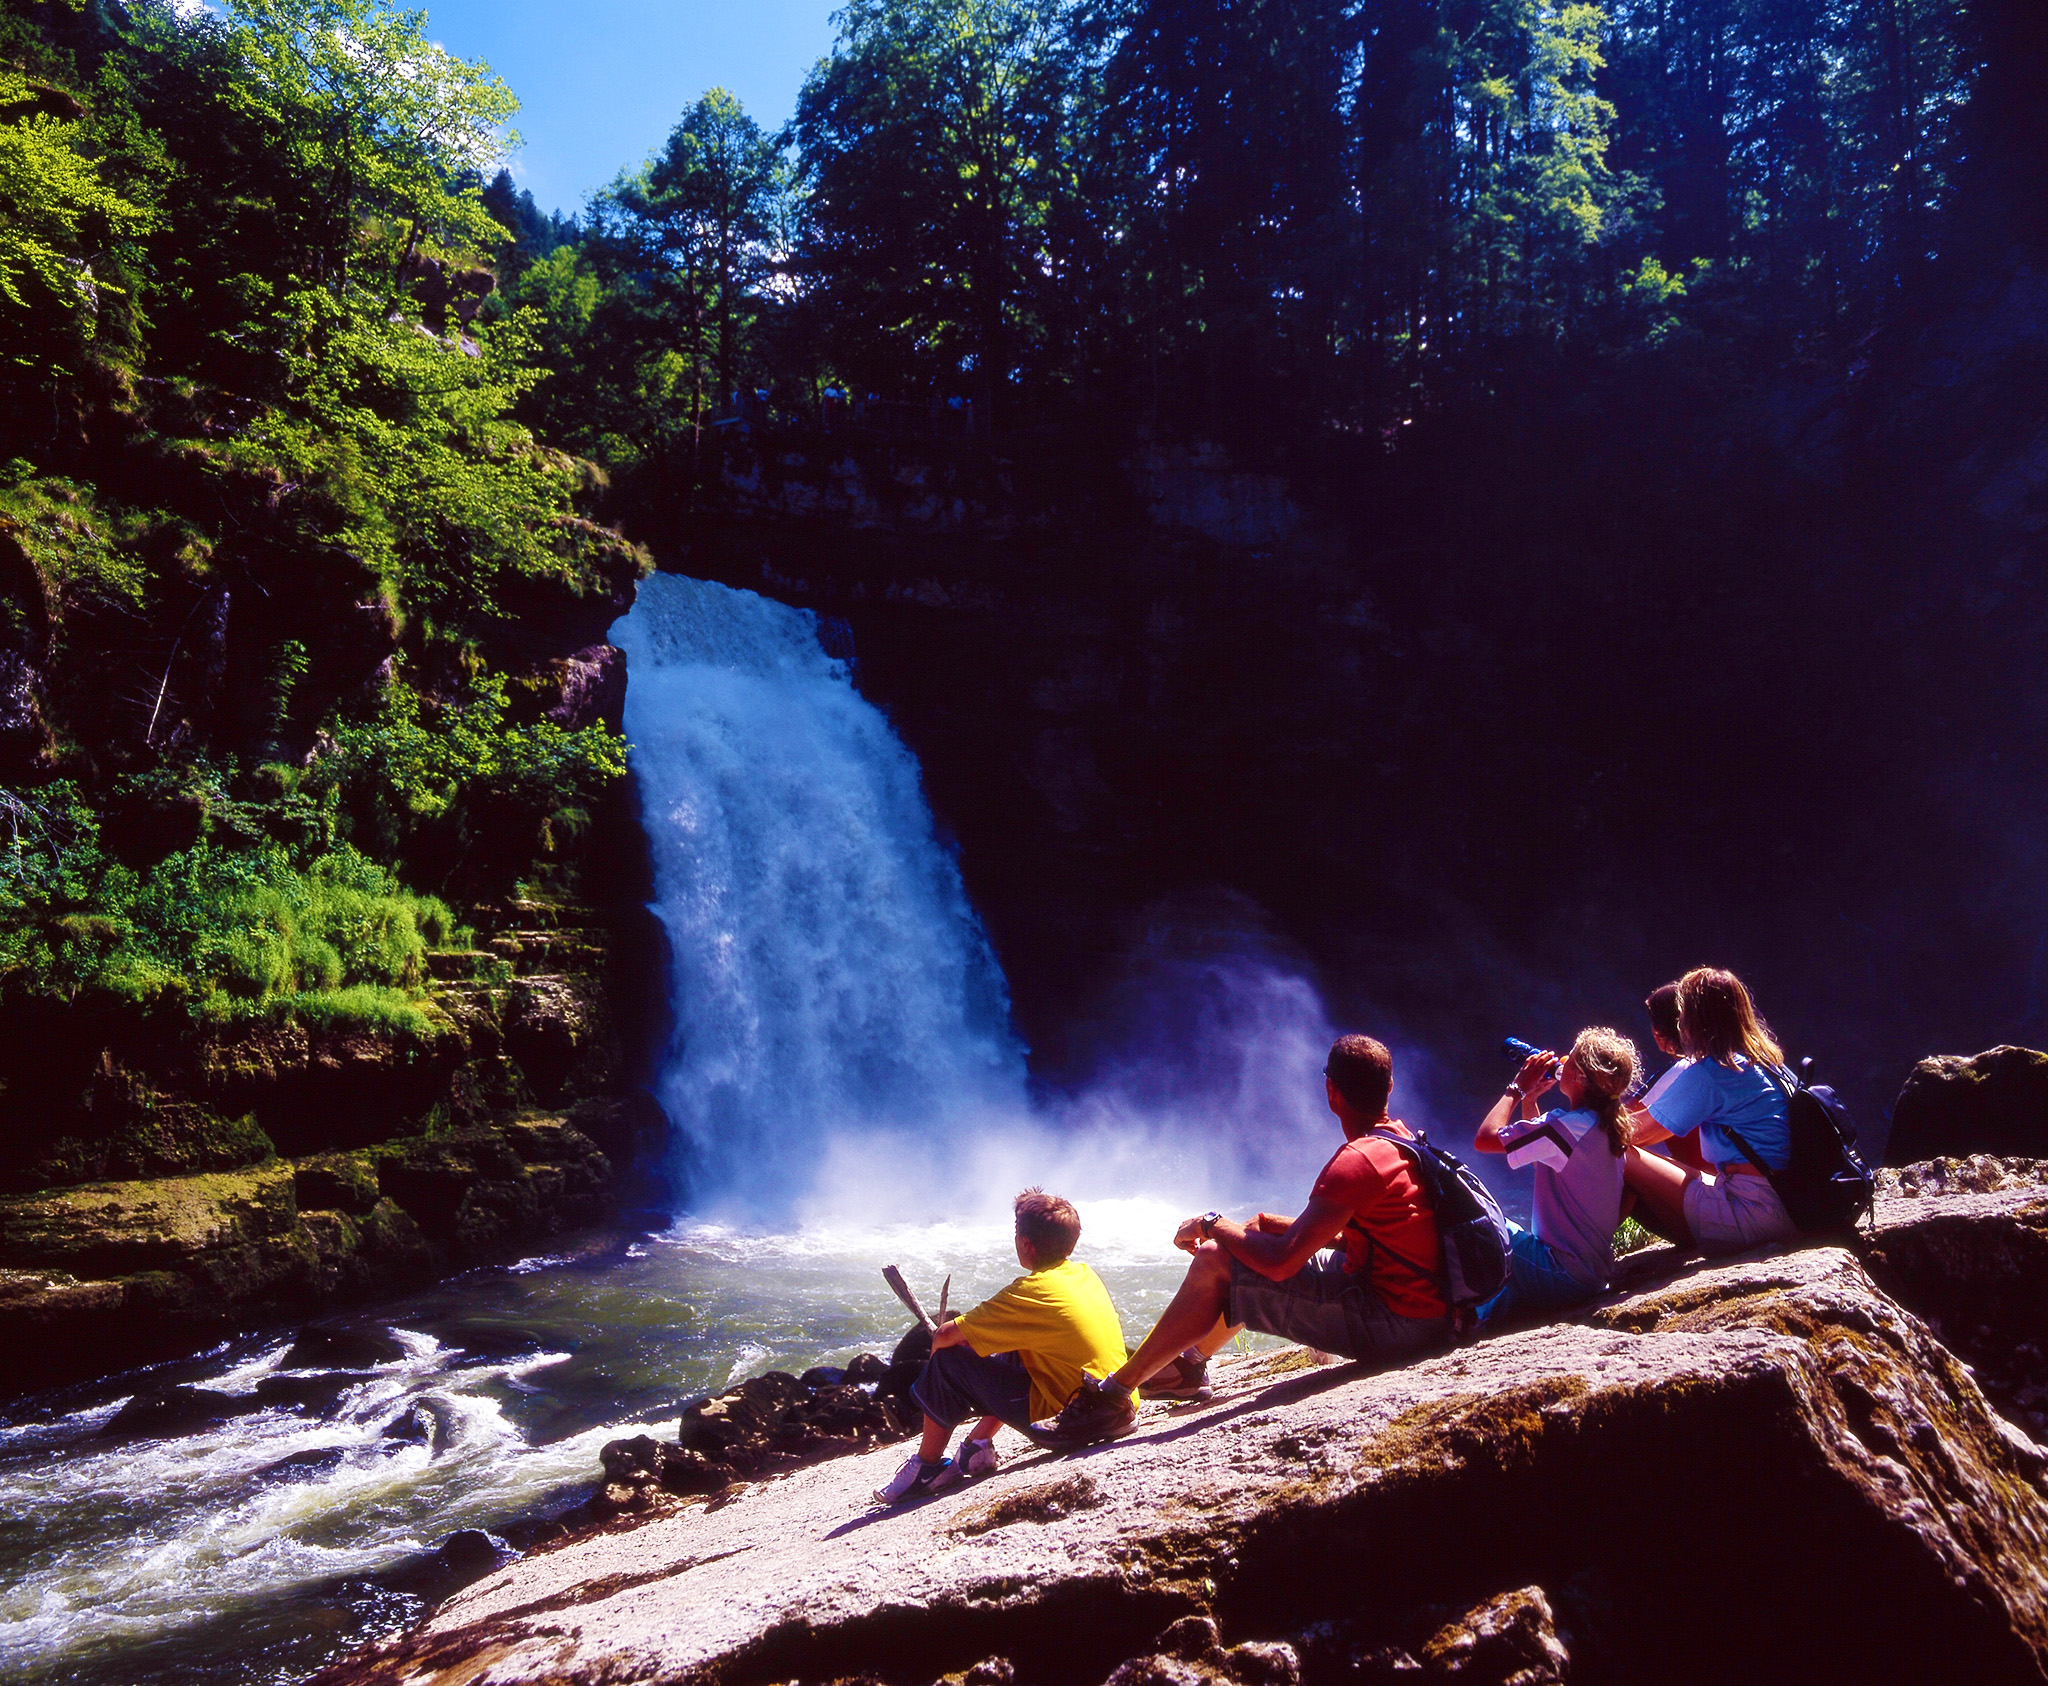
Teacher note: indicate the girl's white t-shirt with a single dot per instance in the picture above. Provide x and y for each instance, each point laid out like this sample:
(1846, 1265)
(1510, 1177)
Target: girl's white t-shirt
(1577, 1204)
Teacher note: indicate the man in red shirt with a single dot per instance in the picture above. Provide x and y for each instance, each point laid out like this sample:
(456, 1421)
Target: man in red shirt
(1377, 1300)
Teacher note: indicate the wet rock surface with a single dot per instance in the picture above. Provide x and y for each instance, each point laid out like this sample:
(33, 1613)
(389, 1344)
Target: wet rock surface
(99, 1277)
(1776, 1428)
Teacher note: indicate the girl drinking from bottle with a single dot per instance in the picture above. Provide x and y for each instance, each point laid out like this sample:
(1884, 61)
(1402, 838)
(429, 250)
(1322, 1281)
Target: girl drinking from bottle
(1577, 1151)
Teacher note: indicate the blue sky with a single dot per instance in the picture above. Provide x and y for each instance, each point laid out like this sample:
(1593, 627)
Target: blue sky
(601, 83)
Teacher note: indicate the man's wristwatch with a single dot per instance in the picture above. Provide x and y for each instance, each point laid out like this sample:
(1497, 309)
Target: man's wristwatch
(1514, 1092)
(1209, 1222)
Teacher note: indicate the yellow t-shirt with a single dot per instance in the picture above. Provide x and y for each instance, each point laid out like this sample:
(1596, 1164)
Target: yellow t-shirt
(1060, 1322)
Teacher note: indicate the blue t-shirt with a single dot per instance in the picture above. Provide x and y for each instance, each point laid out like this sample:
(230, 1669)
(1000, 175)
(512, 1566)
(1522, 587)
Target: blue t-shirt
(1708, 1096)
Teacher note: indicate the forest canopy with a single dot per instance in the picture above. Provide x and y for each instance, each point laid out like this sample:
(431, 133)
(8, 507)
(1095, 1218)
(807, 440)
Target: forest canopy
(1322, 216)
(311, 416)
(269, 519)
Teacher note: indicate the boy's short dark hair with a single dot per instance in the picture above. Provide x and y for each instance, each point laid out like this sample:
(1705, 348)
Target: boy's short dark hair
(1663, 1010)
(1363, 1071)
(1050, 1224)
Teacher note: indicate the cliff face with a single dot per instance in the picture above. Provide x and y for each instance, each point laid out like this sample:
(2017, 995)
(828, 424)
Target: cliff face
(1500, 721)
(208, 1183)
(1765, 1470)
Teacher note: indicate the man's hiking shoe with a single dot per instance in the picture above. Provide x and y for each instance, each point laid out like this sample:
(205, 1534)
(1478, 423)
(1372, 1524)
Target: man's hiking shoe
(1187, 1377)
(977, 1458)
(916, 1480)
(1097, 1411)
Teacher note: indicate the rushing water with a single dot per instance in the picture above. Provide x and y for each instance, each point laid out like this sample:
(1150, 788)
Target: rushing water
(830, 977)
(846, 1094)
(256, 1550)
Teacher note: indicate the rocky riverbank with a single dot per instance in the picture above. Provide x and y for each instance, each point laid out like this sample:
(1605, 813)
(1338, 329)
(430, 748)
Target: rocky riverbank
(278, 1173)
(1771, 1467)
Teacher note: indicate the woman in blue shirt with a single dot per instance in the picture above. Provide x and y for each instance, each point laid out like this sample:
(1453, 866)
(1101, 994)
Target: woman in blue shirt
(1725, 1093)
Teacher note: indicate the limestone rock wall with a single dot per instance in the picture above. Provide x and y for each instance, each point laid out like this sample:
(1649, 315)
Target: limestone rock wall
(108, 1275)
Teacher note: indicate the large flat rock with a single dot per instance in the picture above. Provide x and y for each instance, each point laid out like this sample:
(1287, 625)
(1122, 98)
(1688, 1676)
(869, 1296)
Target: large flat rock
(1761, 1471)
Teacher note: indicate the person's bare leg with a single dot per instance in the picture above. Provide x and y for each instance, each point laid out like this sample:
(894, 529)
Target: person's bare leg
(985, 1429)
(933, 1446)
(1193, 1316)
(1219, 1337)
(1659, 1187)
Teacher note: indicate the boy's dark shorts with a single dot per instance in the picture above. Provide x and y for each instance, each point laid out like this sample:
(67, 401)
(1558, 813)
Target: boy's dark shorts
(956, 1384)
(1322, 1305)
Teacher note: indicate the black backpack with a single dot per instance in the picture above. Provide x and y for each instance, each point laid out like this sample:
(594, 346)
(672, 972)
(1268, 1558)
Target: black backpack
(1826, 1187)
(1476, 1244)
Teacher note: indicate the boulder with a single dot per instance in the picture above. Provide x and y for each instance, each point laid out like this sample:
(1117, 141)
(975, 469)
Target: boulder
(865, 1370)
(177, 1410)
(645, 1461)
(1773, 1433)
(1995, 1102)
(1965, 1244)
(470, 1551)
(316, 1391)
(906, 1361)
(316, 1463)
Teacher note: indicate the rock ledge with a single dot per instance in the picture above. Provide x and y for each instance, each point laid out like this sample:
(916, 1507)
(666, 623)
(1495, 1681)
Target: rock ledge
(1765, 1470)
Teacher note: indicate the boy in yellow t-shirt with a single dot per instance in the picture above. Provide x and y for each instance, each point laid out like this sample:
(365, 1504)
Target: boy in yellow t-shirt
(1014, 1358)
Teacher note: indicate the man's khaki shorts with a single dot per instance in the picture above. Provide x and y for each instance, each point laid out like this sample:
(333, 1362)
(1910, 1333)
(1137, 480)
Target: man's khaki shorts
(1324, 1306)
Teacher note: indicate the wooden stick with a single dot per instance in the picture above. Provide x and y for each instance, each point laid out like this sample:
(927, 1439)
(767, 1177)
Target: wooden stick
(894, 1277)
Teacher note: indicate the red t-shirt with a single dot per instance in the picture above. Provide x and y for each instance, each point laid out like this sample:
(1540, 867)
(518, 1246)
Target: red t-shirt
(1398, 1246)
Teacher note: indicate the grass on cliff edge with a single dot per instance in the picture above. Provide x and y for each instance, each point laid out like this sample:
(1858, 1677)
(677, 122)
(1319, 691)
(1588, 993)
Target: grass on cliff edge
(226, 934)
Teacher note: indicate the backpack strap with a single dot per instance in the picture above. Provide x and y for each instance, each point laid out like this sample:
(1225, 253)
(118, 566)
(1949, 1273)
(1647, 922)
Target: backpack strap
(1750, 1154)
(1411, 1149)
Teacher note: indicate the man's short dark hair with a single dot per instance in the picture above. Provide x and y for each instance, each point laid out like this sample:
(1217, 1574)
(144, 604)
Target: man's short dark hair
(1663, 1009)
(1363, 1071)
(1050, 1224)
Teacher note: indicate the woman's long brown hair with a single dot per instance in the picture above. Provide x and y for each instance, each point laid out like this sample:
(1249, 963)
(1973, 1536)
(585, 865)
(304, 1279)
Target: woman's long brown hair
(1717, 1020)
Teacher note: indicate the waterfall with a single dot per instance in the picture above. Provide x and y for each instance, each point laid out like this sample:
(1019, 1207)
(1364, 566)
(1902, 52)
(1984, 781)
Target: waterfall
(829, 976)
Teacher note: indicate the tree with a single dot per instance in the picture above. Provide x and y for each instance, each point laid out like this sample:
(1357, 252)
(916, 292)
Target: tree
(54, 208)
(937, 152)
(1222, 131)
(711, 190)
(373, 119)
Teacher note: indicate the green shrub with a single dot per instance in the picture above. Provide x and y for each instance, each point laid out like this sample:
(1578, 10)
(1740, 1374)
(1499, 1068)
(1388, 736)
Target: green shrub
(219, 930)
(466, 799)
(1631, 1237)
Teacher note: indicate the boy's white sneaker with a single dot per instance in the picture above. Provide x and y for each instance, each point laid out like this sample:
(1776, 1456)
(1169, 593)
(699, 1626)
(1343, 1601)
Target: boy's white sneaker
(916, 1479)
(977, 1458)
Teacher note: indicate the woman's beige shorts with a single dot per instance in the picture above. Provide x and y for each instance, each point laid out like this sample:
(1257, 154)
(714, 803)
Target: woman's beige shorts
(1728, 1214)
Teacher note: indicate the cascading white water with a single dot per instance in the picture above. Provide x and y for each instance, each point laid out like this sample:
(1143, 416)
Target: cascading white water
(829, 975)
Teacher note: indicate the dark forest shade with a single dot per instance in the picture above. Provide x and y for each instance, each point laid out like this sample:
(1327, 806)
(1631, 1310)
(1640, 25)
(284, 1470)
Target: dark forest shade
(1650, 388)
